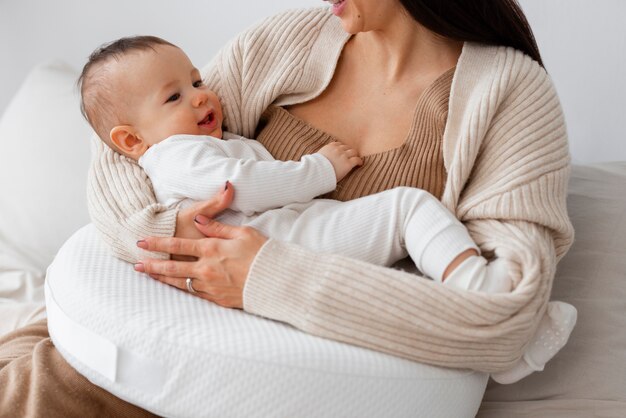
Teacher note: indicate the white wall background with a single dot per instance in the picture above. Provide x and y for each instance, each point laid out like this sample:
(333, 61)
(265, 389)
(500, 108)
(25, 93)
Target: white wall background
(32, 31)
(583, 43)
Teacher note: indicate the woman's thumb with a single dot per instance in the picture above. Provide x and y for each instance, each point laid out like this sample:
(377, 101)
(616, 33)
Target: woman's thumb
(212, 228)
(220, 201)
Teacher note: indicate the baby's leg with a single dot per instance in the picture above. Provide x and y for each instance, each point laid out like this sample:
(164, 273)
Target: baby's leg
(475, 274)
(378, 229)
(434, 237)
(363, 229)
(382, 229)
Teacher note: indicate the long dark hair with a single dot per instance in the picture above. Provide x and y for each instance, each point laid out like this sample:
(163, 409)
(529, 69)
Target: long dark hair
(496, 22)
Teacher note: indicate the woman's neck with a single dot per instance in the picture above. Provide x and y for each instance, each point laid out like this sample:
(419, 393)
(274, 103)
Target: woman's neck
(403, 48)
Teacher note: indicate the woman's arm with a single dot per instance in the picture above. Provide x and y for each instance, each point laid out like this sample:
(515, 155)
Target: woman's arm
(122, 205)
(396, 312)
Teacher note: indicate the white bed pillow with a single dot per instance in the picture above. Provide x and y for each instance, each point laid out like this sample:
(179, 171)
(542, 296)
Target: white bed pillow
(44, 156)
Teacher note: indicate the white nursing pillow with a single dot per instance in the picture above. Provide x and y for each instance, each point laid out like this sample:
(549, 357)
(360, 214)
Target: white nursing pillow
(177, 355)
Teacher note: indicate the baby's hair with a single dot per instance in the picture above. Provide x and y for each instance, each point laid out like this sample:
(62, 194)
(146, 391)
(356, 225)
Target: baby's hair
(98, 104)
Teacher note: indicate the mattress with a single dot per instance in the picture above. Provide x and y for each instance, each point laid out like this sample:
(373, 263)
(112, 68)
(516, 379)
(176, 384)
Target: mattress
(177, 355)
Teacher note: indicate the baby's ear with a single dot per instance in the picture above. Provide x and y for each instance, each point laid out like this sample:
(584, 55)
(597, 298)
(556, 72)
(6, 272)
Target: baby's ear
(126, 141)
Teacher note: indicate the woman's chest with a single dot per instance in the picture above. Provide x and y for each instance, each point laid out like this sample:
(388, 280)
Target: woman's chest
(370, 113)
(365, 116)
(369, 123)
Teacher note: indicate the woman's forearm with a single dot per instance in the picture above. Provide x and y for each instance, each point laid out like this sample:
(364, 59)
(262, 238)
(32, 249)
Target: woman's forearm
(399, 313)
(122, 205)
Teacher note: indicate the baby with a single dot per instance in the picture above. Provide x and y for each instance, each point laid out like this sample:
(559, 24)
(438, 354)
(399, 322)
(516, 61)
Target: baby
(146, 100)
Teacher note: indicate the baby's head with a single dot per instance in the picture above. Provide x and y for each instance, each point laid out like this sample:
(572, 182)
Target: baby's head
(138, 91)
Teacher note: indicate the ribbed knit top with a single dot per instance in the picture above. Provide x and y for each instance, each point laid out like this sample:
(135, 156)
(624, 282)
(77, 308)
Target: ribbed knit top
(418, 162)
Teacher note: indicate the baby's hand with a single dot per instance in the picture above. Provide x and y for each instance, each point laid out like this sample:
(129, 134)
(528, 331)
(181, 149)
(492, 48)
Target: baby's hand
(342, 157)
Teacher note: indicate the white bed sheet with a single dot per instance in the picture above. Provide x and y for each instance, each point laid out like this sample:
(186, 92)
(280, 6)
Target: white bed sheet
(21, 290)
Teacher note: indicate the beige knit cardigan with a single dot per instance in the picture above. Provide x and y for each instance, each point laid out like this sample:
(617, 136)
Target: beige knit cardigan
(507, 160)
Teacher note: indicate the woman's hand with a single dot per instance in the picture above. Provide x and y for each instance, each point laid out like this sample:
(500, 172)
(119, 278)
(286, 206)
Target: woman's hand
(218, 265)
(185, 225)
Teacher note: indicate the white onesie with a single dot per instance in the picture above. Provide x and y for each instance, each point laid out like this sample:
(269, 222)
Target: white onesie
(277, 198)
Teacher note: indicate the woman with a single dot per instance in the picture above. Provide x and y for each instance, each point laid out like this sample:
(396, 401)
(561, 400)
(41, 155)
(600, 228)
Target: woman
(502, 148)
(485, 135)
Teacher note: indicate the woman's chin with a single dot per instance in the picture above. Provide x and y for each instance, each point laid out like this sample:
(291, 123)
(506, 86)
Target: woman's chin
(350, 27)
(351, 24)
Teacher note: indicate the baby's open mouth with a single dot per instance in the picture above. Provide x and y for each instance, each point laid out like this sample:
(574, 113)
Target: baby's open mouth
(208, 119)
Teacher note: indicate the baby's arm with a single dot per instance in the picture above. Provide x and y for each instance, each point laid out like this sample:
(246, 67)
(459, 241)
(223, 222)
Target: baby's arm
(198, 167)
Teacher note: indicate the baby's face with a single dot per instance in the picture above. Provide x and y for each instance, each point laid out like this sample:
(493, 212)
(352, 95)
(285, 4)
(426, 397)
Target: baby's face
(166, 96)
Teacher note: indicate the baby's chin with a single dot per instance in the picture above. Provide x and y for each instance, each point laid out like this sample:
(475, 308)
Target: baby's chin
(216, 133)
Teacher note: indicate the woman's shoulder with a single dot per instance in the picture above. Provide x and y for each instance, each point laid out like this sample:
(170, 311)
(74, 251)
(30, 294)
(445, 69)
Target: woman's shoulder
(489, 61)
(499, 72)
(493, 81)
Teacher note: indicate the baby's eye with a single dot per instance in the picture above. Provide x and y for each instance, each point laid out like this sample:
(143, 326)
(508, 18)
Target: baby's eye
(173, 98)
(198, 83)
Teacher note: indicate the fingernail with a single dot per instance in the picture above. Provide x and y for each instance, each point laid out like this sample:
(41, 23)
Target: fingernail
(142, 244)
(226, 185)
(201, 219)
(139, 267)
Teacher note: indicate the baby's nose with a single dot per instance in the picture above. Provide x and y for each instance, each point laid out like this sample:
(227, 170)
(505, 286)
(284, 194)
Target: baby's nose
(200, 98)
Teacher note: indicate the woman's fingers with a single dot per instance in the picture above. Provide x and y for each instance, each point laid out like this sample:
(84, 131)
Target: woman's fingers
(220, 201)
(178, 246)
(185, 227)
(169, 268)
(212, 228)
(181, 284)
(178, 282)
(223, 297)
(219, 267)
